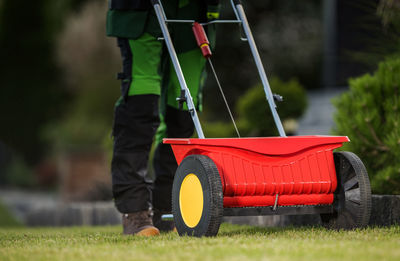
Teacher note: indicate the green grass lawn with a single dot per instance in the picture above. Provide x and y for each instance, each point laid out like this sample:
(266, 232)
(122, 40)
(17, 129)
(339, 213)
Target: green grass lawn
(232, 243)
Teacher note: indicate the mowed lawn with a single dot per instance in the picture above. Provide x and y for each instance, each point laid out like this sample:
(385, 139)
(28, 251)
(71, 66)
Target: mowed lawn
(232, 243)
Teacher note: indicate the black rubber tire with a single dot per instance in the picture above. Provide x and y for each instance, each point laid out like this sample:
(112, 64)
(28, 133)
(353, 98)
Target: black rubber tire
(207, 173)
(352, 202)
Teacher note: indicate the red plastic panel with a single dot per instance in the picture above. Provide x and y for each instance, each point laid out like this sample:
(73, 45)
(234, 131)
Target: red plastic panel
(269, 146)
(306, 176)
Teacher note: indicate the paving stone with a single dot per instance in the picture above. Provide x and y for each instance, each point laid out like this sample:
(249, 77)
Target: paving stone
(75, 214)
(385, 210)
(104, 214)
(318, 118)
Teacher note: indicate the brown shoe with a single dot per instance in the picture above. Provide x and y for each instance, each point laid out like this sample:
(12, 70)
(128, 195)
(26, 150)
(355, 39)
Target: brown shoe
(139, 223)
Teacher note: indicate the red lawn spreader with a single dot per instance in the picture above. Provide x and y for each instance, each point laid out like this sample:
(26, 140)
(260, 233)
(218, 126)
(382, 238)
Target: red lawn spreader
(260, 176)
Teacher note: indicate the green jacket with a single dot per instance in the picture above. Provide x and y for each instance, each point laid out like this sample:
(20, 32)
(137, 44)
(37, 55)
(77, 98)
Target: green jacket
(133, 23)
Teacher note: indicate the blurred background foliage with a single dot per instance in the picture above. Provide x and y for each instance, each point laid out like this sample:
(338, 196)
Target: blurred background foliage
(51, 56)
(289, 36)
(254, 112)
(253, 116)
(89, 62)
(382, 38)
(369, 113)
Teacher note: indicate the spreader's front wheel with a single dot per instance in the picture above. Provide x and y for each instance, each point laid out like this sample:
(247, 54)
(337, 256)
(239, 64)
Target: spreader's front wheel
(197, 199)
(353, 194)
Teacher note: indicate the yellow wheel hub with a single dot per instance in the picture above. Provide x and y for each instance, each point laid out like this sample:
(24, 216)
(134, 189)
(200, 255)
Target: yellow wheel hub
(191, 200)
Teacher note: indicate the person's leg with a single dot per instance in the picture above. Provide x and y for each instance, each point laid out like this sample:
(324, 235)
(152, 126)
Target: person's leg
(179, 125)
(135, 122)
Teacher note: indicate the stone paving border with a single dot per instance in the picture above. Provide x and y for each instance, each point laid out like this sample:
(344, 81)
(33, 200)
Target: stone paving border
(75, 214)
(385, 212)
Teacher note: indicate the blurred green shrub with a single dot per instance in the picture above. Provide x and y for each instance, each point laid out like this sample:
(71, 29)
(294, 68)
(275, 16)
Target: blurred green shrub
(6, 218)
(218, 129)
(77, 131)
(255, 118)
(369, 114)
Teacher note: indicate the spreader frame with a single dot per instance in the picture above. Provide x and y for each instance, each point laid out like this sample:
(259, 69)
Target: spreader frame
(261, 176)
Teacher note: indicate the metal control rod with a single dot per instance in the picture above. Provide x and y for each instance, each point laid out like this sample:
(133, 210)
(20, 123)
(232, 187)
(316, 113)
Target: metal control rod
(204, 45)
(189, 101)
(270, 98)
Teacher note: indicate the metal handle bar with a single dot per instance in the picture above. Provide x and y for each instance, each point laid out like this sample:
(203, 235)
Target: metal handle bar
(242, 19)
(260, 67)
(207, 23)
(189, 101)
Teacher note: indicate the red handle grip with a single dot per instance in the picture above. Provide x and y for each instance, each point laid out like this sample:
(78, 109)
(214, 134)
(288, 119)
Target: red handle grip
(202, 40)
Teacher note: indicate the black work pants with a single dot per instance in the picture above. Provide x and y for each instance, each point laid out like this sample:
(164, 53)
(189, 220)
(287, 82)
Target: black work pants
(135, 122)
